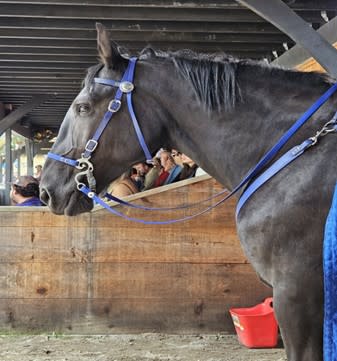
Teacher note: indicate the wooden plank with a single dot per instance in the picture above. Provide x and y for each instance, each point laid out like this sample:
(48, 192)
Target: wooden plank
(199, 312)
(43, 280)
(96, 273)
(117, 316)
(43, 237)
(43, 244)
(171, 281)
(130, 280)
(70, 244)
(145, 245)
(39, 217)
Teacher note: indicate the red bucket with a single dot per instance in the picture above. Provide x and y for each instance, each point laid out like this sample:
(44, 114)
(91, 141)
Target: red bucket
(256, 326)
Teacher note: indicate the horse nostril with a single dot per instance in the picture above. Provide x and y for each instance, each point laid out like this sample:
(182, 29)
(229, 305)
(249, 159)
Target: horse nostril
(44, 196)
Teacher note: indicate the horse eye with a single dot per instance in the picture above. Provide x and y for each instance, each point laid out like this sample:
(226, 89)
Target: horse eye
(83, 109)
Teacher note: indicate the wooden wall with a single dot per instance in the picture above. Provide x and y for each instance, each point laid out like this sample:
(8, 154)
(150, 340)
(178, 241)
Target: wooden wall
(312, 65)
(97, 273)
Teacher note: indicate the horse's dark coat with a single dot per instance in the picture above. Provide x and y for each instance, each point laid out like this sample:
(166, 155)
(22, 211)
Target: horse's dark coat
(225, 114)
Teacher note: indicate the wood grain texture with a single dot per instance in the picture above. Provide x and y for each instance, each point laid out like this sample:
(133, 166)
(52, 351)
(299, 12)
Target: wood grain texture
(312, 65)
(97, 273)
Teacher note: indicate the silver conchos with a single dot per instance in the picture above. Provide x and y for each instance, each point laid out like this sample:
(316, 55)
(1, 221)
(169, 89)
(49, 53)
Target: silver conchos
(126, 86)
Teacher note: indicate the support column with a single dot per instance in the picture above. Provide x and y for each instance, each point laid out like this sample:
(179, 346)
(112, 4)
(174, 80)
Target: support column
(29, 152)
(9, 161)
(4, 195)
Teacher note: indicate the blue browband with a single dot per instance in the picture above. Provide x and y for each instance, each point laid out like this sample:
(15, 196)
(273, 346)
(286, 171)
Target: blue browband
(126, 86)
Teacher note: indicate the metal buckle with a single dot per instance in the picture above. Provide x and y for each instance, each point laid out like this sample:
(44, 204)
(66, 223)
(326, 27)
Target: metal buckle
(114, 105)
(126, 86)
(91, 145)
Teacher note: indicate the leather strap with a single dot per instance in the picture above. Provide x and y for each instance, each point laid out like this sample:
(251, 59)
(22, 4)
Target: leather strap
(282, 162)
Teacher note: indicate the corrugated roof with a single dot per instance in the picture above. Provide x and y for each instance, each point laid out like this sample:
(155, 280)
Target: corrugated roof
(46, 46)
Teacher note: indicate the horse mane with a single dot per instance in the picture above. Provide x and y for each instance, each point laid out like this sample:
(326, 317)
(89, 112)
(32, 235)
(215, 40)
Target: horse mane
(214, 77)
(213, 80)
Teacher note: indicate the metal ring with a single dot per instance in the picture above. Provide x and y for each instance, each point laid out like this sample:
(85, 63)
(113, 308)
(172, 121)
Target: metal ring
(80, 186)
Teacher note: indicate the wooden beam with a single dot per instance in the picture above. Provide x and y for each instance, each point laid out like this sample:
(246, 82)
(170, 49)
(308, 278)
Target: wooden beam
(24, 131)
(13, 117)
(297, 55)
(279, 14)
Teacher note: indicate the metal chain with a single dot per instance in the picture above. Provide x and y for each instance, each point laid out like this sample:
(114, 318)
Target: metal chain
(329, 127)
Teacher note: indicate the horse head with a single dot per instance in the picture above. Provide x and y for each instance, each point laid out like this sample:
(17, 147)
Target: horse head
(117, 147)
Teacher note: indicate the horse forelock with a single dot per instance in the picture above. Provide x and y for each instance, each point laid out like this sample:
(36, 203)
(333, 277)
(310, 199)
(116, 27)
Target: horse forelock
(91, 74)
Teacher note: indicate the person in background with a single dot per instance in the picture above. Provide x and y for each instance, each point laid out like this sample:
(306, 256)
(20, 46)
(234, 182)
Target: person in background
(125, 185)
(142, 170)
(38, 173)
(169, 172)
(25, 191)
(189, 167)
(152, 174)
(177, 157)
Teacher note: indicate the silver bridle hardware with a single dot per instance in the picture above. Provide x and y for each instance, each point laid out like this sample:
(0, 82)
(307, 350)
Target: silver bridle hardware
(329, 127)
(87, 171)
(126, 86)
(114, 105)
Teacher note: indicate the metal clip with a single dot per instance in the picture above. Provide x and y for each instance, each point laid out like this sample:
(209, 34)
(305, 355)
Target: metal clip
(329, 127)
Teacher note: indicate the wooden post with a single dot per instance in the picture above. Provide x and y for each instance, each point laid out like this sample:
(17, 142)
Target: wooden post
(29, 152)
(8, 157)
(2, 173)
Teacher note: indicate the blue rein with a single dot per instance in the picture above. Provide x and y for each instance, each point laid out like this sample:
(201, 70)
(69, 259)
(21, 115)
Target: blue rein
(126, 86)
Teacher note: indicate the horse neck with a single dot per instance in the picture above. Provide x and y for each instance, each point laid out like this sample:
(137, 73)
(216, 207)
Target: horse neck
(227, 144)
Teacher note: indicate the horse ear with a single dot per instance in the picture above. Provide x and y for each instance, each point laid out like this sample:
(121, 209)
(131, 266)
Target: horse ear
(107, 50)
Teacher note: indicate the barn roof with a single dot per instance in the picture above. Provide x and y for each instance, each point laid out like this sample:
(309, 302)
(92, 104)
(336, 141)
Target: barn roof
(46, 46)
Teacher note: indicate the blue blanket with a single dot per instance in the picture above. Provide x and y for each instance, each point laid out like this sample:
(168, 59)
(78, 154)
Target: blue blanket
(330, 284)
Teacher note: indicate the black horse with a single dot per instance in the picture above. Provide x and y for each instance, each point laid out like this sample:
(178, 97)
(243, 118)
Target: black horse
(225, 114)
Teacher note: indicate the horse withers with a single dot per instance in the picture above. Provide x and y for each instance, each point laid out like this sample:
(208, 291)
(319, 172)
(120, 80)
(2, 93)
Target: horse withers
(225, 114)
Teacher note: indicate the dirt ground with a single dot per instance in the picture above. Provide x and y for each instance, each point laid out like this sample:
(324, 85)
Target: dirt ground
(144, 347)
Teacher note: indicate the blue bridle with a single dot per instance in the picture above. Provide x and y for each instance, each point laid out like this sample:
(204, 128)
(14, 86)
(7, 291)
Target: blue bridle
(126, 86)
